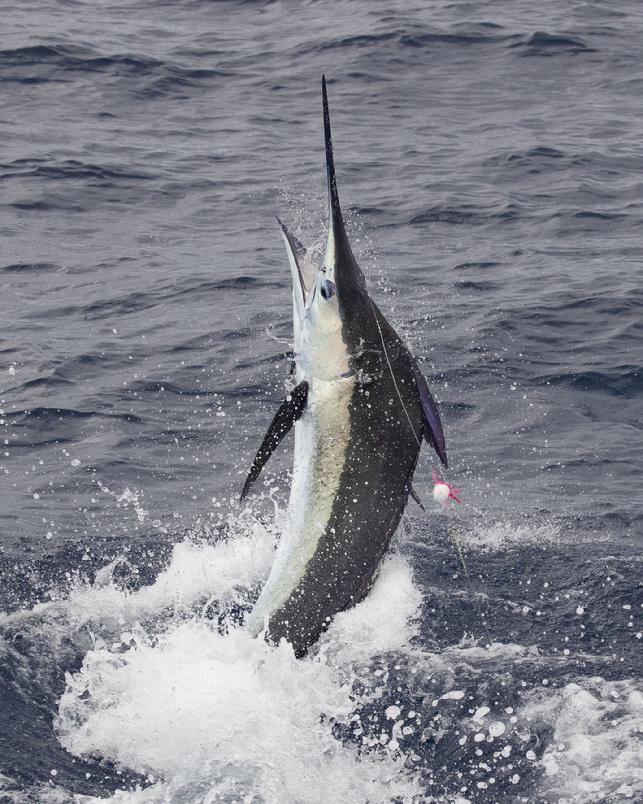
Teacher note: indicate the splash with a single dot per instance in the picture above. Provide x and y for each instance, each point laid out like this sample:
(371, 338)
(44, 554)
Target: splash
(595, 751)
(208, 713)
(503, 536)
(169, 685)
(226, 714)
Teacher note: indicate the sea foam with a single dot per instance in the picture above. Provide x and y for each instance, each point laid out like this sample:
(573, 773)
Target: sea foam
(595, 750)
(209, 713)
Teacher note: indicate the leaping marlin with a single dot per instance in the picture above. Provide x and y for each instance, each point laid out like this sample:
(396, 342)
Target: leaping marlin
(360, 409)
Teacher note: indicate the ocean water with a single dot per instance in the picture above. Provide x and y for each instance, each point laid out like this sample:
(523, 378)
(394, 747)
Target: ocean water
(490, 163)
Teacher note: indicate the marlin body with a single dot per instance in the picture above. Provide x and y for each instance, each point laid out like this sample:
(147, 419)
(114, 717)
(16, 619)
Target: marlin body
(360, 409)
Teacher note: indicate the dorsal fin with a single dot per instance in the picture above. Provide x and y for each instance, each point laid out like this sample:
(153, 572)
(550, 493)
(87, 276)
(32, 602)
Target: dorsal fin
(431, 425)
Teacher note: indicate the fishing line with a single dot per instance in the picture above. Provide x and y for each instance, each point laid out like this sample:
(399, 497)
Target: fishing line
(390, 368)
(450, 531)
(467, 577)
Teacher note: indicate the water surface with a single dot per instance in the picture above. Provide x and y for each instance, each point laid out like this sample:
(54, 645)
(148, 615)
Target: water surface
(489, 160)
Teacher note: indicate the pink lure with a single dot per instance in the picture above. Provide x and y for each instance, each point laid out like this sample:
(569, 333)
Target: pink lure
(443, 491)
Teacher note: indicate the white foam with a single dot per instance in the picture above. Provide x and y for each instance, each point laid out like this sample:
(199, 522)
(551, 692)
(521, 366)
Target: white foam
(214, 717)
(223, 716)
(595, 750)
(40, 793)
(197, 571)
(503, 535)
(385, 621)
(452, 695)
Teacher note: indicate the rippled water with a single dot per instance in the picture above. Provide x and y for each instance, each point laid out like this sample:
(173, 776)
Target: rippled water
(489, 156)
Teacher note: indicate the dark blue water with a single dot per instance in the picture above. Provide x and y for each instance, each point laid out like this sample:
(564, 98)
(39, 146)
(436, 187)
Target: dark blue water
(490, 162)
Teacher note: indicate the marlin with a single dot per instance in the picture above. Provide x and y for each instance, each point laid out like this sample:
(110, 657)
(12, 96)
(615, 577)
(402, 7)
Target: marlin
(360, 409)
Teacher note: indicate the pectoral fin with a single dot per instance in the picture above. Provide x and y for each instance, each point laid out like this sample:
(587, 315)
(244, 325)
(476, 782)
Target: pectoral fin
(416, 497)
(289, 412)
(432, 425)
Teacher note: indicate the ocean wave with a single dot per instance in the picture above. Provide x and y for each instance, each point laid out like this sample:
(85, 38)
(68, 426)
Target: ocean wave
(537, 159)
(164, 293)
(466, 214)
(50, 416)
(70, 56)
(542, 43)
(37, 64)
(69, 169)
(30, 267)
(622, 381)
(473, 34)
(475, 265)
(479, 287)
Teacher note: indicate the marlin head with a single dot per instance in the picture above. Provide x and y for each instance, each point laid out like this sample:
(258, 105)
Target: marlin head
(339, 331)
(329, 302)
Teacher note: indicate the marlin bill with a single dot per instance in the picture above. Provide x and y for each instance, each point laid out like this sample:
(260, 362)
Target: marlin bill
(360, 409)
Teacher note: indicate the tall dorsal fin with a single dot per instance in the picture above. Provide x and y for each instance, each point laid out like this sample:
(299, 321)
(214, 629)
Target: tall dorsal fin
(431, 425)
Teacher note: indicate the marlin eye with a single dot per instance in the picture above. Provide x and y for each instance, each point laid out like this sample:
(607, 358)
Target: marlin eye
(328, 289)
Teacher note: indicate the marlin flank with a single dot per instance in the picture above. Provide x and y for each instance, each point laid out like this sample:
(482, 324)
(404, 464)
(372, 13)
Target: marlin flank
(360, 408)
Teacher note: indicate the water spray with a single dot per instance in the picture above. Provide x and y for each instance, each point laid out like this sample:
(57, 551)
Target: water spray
(445, 495)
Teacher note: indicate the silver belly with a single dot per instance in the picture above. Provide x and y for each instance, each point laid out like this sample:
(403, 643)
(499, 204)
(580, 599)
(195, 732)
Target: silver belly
(321, 446)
